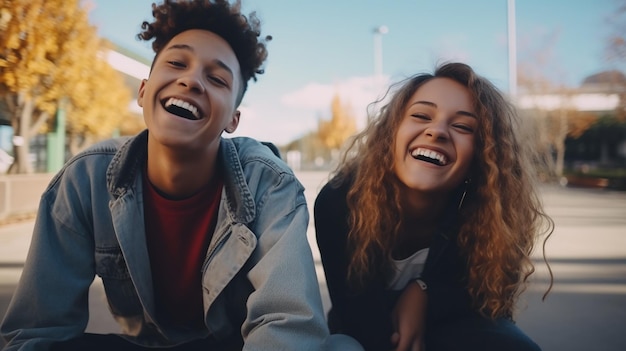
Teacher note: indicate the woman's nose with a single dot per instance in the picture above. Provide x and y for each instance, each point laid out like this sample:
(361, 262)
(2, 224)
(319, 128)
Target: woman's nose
(438, 130)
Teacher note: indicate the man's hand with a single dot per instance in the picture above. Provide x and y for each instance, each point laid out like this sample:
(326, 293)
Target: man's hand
(409, 319)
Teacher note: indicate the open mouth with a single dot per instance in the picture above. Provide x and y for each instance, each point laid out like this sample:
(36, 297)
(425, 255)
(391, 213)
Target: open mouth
(429, 156)
(182, 109)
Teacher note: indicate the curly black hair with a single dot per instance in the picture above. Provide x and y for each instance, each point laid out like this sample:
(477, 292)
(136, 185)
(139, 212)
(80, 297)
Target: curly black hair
(218, 16)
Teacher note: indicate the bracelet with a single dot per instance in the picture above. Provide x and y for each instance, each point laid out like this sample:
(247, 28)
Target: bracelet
(422, 284)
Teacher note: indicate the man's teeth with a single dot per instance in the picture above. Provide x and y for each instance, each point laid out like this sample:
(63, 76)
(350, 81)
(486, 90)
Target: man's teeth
(183, 104)
(441, 159)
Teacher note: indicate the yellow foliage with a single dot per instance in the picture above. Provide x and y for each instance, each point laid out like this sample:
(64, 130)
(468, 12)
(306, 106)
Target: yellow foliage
(580, 122)
(98, 112)
(48, 52)
(339, 128)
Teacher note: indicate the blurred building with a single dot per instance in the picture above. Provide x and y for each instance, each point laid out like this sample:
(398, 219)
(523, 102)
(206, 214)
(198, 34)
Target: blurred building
(599, 93)
(602, 95)
(133, 68)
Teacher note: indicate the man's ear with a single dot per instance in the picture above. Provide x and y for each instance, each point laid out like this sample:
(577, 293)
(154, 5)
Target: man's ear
(234, 122)
(142, 89)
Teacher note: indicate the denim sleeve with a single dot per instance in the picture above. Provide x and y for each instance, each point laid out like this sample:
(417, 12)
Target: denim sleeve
(51, 299)
(285, 310)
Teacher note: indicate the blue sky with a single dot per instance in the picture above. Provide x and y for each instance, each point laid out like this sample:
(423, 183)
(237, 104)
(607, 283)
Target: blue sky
(326, 47)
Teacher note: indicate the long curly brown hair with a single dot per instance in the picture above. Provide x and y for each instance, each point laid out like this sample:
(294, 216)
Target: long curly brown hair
(501, 217)
(218, 16)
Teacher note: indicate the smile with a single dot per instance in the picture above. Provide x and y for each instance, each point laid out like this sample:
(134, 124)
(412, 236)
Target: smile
(429, 156)
(182, 109)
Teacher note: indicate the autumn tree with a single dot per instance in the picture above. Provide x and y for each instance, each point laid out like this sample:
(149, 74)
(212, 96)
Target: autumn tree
(616, 50)
(555, 119)
(550, 104)
(616, 45)
(340, 127)
(99, 105)
(50, 53)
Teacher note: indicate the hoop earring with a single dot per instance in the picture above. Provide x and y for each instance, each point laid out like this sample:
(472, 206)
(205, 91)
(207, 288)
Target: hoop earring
(467, 182)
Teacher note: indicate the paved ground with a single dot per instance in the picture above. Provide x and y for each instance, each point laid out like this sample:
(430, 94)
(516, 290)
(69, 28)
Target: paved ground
(586, 309)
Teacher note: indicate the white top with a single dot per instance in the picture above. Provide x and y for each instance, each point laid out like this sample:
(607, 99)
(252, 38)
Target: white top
(407, 269)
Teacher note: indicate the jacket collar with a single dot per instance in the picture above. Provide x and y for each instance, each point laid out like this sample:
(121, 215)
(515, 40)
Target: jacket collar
(239, 199)
(127, 163)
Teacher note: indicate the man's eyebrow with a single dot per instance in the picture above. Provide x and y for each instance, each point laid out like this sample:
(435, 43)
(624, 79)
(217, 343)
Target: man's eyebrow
(432, 104)
(191, 49)
(180, 47)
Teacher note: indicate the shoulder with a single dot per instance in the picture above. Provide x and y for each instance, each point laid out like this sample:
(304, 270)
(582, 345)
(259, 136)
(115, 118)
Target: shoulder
(249, 150)
(105, 148)
(330, 216)
(256, 160)
(331, 207)
(91, 162)
(253, 173)
(333, 195)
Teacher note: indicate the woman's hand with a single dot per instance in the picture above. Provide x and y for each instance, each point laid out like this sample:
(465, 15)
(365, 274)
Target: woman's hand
(409, 319)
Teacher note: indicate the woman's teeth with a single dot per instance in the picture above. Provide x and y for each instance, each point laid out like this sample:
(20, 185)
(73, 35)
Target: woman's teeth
(429, 155)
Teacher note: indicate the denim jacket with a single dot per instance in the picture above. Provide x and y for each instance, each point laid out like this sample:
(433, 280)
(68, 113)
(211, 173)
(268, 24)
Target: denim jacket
(258, 279)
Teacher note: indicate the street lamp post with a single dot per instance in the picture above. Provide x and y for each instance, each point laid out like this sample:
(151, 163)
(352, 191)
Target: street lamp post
(512, 49)
(378, 52)
(378, 60)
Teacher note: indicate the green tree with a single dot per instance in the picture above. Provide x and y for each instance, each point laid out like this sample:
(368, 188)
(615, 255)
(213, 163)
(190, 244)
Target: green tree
(49, 52)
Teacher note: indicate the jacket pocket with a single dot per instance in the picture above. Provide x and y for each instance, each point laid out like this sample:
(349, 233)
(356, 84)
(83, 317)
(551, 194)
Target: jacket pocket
(120, 291)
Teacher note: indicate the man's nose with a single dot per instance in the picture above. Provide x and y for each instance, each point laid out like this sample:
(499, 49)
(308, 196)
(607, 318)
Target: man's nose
(193, 81)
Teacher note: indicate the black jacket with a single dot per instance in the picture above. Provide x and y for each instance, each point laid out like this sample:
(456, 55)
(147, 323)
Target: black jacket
(365, 314)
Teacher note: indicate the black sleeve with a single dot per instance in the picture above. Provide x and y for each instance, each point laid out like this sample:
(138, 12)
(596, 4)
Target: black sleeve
(445, 276)
(362, 314)
(331, 230)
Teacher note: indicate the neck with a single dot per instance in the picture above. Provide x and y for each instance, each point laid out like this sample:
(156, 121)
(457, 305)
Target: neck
(423, 207)
(422, 216)
(177, 174)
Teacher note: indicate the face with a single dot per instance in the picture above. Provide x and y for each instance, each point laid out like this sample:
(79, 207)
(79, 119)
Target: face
(190, 96)
(434, 143)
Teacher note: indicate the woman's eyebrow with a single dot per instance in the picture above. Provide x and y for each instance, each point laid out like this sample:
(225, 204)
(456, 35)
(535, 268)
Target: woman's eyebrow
(432, 104)
(466, 113)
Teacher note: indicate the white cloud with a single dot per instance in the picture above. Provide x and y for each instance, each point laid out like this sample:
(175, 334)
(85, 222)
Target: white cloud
(299, 110)
(313, 96)
(452, 48)
(279, 128)
(356, 92)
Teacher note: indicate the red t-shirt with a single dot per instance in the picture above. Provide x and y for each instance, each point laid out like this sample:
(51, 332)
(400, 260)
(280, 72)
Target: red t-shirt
(178, 233)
